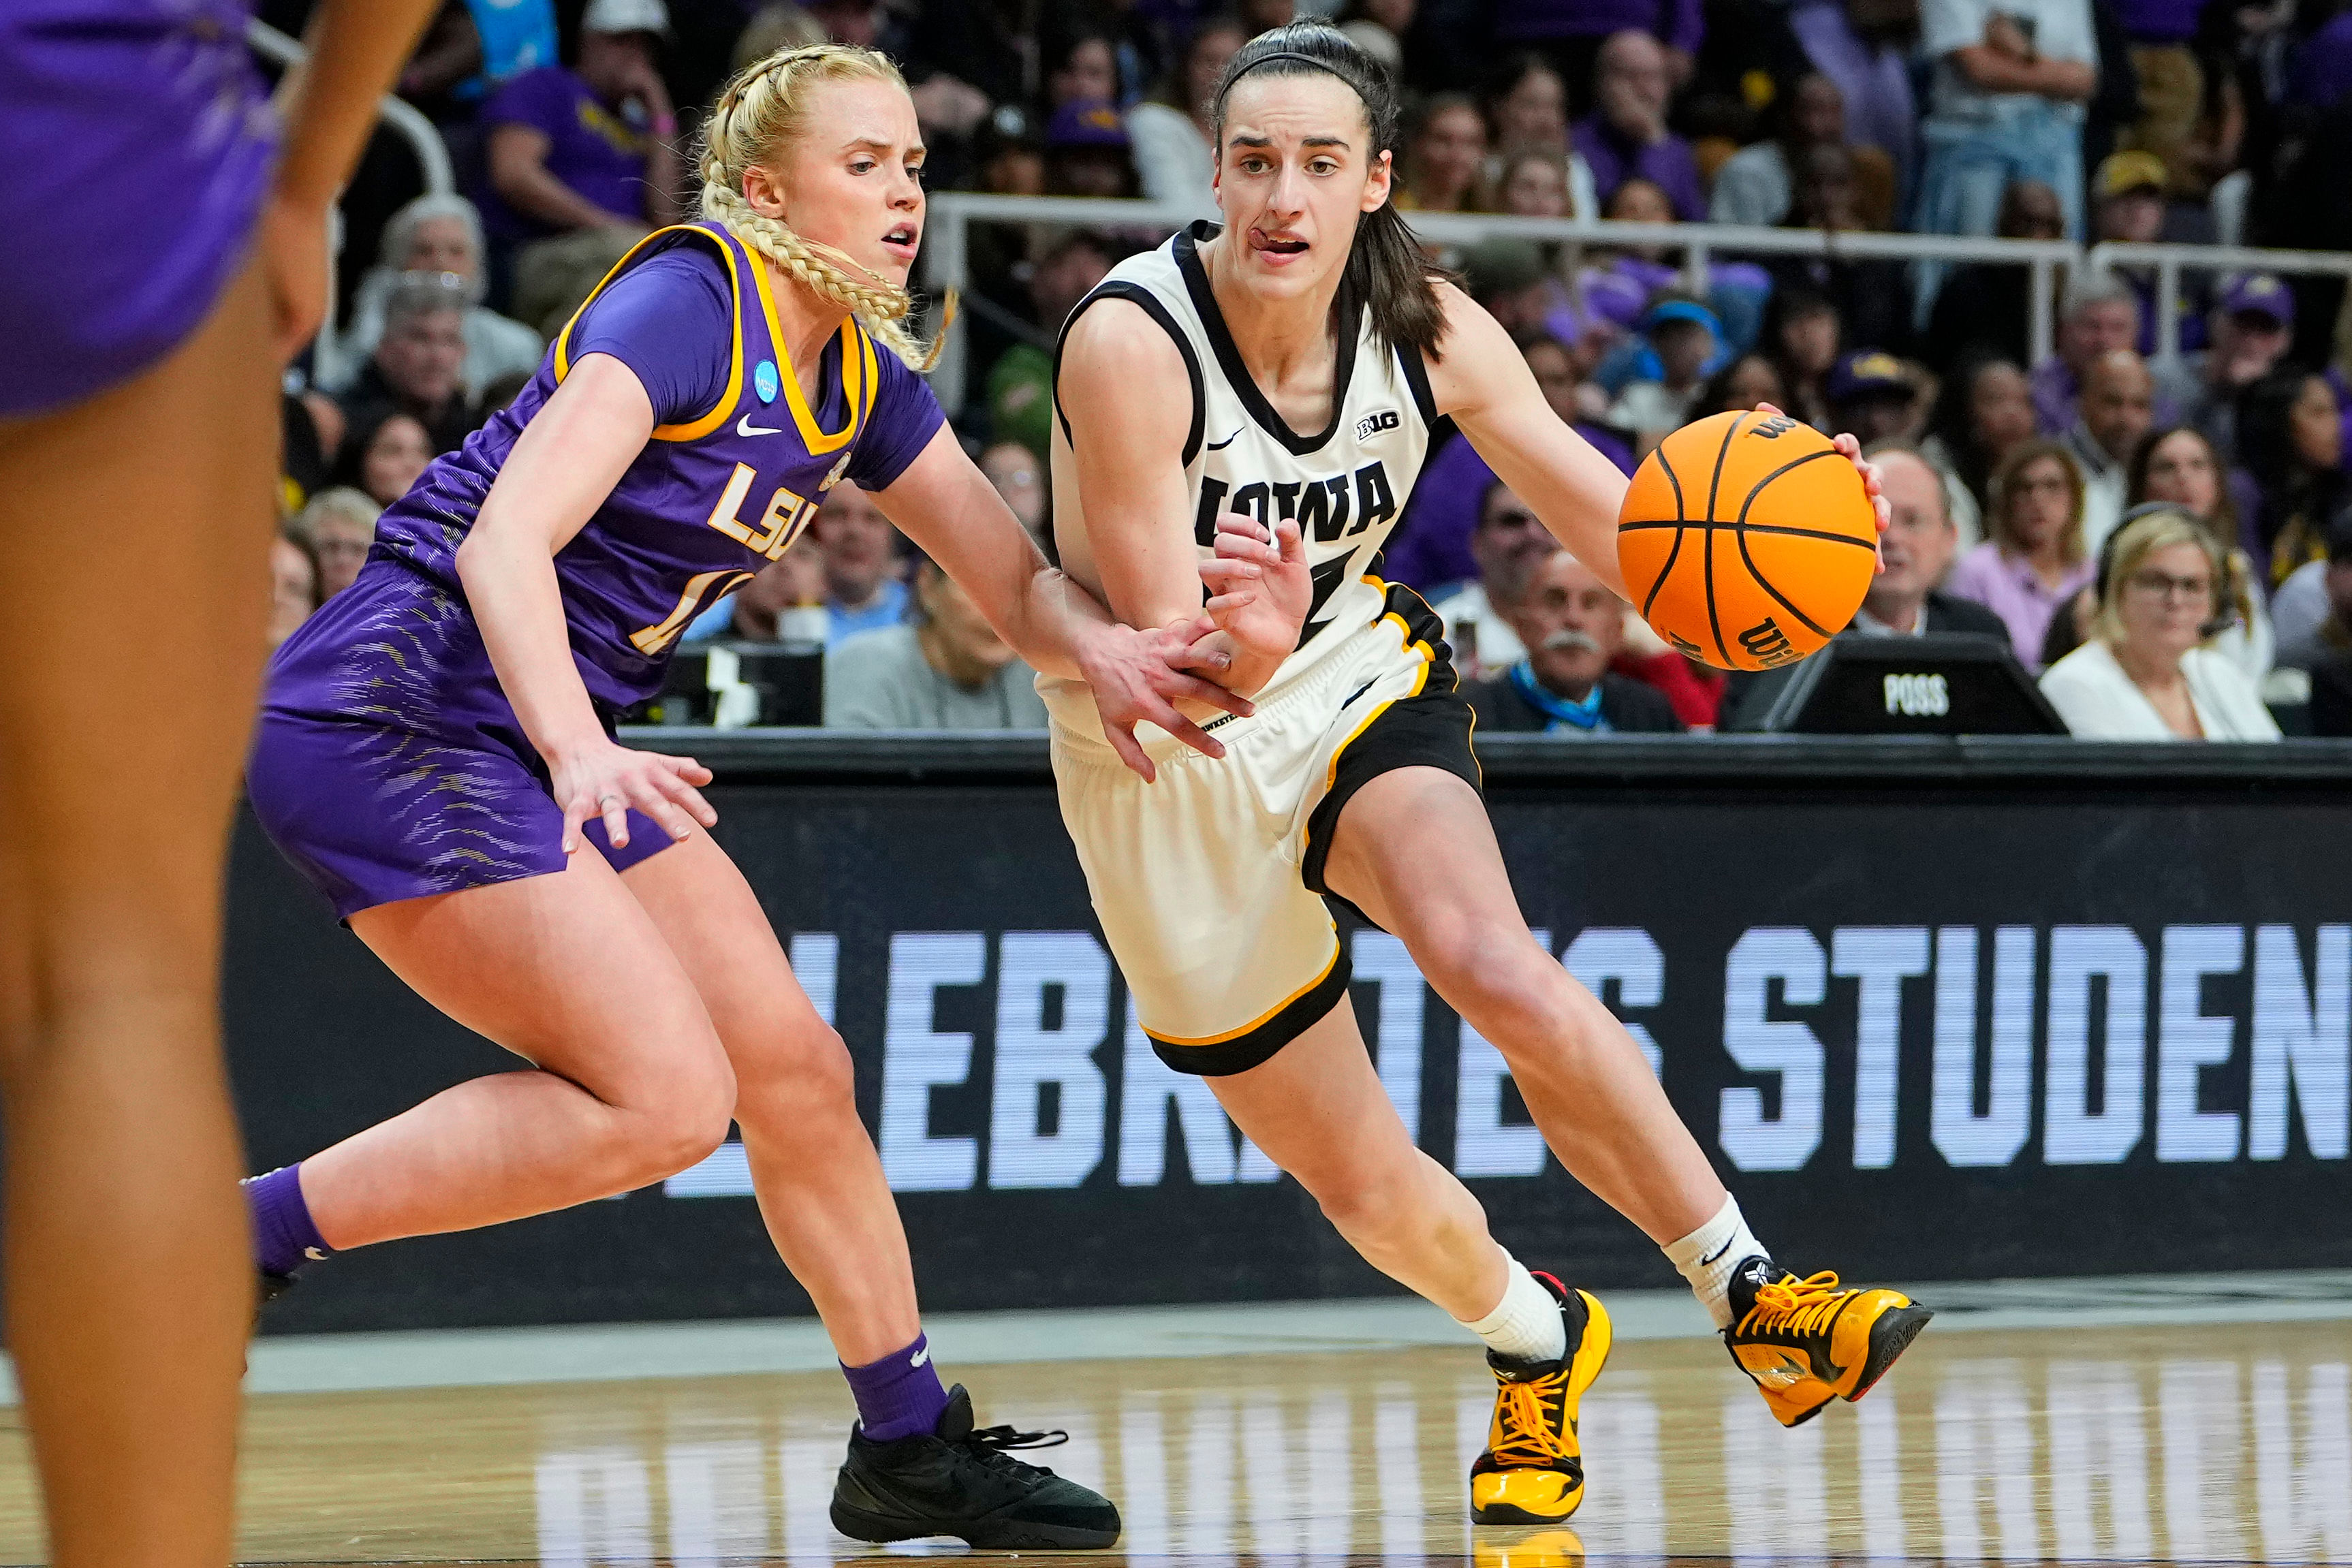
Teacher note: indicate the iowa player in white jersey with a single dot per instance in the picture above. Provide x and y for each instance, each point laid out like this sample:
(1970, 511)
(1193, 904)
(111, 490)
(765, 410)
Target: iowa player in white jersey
(1261, 394)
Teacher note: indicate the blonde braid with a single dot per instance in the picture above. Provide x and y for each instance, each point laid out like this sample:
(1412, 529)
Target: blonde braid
(762, 110)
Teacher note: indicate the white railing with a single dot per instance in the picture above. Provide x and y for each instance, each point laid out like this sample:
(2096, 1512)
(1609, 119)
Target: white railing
(424, 140)
(2171, 260)
(946, 252)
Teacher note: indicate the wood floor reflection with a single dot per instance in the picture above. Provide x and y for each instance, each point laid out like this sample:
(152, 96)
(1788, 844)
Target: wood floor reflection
(2225, 1443)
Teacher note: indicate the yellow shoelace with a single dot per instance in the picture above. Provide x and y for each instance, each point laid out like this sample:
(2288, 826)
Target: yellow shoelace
(1793, 1305)
(1528, 1432)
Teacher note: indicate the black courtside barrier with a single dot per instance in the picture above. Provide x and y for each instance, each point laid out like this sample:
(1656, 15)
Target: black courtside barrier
(1936, 1009)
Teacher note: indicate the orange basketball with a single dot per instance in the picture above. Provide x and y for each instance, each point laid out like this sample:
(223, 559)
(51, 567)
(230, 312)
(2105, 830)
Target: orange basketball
(1747, 541)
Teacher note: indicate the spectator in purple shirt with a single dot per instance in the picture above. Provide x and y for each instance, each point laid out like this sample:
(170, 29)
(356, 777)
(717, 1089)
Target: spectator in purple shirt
(1626, 137)
(589, 146)
(2034, 560)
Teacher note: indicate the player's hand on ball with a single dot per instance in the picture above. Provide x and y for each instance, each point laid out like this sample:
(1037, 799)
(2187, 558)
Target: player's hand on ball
(1259, 586)
(605, 779)
(1139, 675)
(1849, 448)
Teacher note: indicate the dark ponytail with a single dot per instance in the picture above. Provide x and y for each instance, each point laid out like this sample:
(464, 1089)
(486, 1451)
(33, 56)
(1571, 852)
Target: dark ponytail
(1386, 274)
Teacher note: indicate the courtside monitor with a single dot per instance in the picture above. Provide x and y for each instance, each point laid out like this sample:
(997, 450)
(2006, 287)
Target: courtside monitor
(1944, 683)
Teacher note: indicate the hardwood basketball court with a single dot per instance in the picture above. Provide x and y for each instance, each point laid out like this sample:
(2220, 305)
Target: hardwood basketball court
(2086, 1438)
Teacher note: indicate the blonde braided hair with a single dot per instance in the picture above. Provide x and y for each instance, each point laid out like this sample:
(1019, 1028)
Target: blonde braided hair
(766, 107)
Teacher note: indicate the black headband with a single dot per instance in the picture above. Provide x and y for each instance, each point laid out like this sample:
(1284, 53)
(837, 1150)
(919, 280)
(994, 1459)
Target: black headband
(1321, 65)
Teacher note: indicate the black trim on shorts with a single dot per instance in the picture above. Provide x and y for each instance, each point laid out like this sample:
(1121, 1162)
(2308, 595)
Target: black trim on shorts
(1431, 729)
(1136, 293)
(1245, 1051)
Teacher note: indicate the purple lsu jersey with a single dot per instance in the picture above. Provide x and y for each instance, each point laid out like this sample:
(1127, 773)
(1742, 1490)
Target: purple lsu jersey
(388, 764)
(706, 504)
(140, 141)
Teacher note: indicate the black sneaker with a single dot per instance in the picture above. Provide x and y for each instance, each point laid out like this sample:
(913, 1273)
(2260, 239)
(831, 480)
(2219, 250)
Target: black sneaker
(957, 1481)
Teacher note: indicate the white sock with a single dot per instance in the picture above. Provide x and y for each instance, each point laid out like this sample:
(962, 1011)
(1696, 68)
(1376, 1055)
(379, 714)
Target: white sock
(1526, 1323)
(1709, 1256)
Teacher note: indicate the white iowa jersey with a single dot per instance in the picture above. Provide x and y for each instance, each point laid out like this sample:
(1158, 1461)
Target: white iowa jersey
(1344, 485)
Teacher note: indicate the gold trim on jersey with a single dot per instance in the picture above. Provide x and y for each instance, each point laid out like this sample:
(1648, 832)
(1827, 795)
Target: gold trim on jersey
(696, 429)
(1269, 1015)
(857, 376)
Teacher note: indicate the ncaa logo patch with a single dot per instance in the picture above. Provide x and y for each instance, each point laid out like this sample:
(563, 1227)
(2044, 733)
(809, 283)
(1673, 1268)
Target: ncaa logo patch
(764, 382)
(1371, 424)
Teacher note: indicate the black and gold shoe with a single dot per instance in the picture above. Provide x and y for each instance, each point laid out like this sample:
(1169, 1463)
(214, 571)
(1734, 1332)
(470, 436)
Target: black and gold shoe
(1532, 1471)
(1807, 1342)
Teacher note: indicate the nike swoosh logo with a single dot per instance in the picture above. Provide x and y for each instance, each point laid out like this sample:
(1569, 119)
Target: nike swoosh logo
(744, 427)
(1218, 445)
(920, 1357)
(1718, 1252)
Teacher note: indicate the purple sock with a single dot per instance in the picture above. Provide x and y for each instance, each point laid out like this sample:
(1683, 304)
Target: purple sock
(898, 1395)
(283, 1236)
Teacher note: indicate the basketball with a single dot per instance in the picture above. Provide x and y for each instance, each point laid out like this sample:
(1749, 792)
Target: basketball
(1747, 540)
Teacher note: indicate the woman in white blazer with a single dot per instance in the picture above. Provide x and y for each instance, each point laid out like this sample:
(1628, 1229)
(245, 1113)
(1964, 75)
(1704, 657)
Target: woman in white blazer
(2149, 671)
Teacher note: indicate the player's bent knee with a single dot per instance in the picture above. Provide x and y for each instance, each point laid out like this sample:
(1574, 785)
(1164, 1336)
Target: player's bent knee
(690, 1120)
(1490, 966)
(808, 1072)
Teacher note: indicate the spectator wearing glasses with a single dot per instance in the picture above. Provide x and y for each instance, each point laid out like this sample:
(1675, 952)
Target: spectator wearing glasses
(2033, 560)
(1573, 628)
(1509, 544)
(2148, 672)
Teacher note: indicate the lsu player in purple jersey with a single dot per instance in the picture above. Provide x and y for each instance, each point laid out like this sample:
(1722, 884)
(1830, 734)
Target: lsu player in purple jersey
(436, 754)
(1320, 351)
(164, 251)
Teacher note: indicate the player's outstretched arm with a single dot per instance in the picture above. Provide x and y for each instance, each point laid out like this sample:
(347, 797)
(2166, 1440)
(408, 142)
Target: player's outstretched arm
(945, 504)
(1485, 384)
(356, 48)
(564, 464)
(1481, 380)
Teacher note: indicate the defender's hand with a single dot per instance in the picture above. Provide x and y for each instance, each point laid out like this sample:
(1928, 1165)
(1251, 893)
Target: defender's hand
(1261, 591)
(1139, 675)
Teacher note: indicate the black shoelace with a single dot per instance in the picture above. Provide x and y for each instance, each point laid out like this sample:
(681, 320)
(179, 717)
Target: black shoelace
(988, 1445)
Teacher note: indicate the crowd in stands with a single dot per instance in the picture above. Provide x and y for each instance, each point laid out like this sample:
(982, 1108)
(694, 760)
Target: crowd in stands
(2161, 530)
